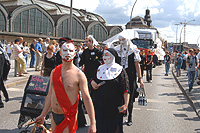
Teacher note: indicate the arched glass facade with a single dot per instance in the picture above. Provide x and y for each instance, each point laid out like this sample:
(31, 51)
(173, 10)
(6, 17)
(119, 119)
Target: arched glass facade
(33, 21)
(77, 29)
(116, 31)
(98, 32)
(2, 21)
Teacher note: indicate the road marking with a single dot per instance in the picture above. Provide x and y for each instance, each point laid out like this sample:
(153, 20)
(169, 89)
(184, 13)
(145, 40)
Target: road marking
(153, 110)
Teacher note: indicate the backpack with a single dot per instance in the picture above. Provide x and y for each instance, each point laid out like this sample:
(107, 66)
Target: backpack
(188, 58)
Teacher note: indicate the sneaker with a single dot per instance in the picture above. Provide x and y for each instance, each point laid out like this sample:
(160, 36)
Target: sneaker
(150, 81)
(1, 105)
(130, 123)
(165, 74)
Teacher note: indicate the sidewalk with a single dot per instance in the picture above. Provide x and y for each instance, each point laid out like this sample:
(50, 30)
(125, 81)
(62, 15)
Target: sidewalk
(193, 96)
(13, 81)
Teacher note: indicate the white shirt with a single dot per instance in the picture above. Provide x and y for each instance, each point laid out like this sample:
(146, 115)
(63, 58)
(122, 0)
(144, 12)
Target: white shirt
(16, 53)
(198, 56)
(44, 46)
(9, 48)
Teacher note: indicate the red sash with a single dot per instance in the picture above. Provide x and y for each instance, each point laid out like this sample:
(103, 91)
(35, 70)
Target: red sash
(68, 109)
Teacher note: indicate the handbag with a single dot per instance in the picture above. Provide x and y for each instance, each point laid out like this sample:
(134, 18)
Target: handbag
(45, 130)
(142, 99)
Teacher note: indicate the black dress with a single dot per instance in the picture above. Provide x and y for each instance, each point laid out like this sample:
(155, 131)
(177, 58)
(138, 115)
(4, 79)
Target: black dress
(107, 99)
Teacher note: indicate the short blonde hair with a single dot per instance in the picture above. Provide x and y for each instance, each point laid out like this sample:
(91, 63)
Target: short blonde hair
(54, 42)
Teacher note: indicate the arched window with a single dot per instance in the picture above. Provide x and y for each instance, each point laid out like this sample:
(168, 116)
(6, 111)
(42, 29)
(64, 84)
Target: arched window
(33, 21)
(116, 31)
(98, 32)
(77, 29)
(2, 21)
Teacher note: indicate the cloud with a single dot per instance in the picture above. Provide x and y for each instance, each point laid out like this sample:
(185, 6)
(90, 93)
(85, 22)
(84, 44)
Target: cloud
(164, 13)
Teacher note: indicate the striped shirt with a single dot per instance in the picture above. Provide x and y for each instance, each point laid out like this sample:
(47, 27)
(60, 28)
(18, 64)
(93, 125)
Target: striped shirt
(16, 53)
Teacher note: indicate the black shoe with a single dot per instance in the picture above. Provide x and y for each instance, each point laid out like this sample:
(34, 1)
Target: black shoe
(165, 74)
(190, 89)
(1, 105)
(7, 99)
(129, 123)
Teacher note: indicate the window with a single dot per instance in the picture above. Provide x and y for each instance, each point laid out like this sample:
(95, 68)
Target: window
(2, 21)
(116, 31)
(77, 29)
(34, 21)
(38, 21)
(25, 17)
(17, 23)
(98, 32)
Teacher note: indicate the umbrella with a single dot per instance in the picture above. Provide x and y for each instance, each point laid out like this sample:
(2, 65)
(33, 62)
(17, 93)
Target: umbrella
(128, 33)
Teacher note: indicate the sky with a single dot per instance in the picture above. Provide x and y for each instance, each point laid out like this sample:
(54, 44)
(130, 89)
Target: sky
(164, 14)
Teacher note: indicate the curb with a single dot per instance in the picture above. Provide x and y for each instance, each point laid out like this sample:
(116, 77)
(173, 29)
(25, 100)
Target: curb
(16, 83)
(187, 96)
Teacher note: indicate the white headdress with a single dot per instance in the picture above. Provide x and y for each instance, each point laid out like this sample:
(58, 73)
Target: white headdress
(95, 43)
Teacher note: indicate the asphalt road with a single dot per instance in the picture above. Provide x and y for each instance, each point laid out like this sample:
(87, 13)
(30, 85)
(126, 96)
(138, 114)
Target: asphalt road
(167, 111)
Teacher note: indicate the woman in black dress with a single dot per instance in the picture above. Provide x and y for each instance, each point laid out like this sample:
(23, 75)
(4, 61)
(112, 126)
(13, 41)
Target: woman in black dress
(111, 96)
(48, 63)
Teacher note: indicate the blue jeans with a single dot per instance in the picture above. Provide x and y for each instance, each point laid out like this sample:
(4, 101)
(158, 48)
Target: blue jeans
(32, 63)
(167, 66)
(196, 74)
(191, 75)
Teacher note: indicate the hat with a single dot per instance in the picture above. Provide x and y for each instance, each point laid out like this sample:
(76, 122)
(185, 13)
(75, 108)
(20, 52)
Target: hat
(114, 52)
(65, 39)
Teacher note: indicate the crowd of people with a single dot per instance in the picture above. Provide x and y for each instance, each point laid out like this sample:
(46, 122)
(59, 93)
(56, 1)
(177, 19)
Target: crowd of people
(107, 78)
(184, 60)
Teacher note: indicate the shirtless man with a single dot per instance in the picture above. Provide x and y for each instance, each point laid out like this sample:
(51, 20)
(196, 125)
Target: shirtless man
(66, 81)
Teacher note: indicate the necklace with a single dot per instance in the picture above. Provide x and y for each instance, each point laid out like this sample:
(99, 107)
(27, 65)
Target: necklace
(123, 53)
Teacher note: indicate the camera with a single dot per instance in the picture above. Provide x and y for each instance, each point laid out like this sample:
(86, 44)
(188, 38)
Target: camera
(190, 65)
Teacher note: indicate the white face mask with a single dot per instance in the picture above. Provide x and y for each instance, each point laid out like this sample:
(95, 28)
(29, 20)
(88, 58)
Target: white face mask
(123, 41)
(108, 58)
(68, 52)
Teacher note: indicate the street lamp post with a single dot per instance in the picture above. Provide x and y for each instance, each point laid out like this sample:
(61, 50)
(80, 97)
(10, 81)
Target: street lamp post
(198, 41)
(181, 32)
(131, 14)
(70, 23)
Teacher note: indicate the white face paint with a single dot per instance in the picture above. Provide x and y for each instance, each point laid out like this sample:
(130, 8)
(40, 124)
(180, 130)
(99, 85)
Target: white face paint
(68, 52)
(122, 40)
(108, 58)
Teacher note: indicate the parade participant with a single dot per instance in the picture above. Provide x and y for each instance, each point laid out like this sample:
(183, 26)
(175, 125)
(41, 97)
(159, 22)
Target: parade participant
(149, 66)
(111, 95)
(38, 49)
(142, 62)
(48, 63)
(178, 65)
(18, 56)
(4, 70)
(91, 58)
(66, 81)
(193, 65)
(32, 51)
(61, 42)
(167, 59)
(130, 58)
